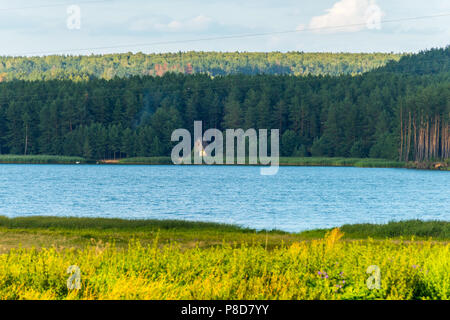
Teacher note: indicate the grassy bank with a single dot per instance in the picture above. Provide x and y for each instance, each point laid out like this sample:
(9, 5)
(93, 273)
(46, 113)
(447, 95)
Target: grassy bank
(77, 232)
(185, 231)
(40, 159)
(295, 161)
(284, 161)
(122, 259)
(317, 161)
(438, 230)
(147, 160)
(342, 162)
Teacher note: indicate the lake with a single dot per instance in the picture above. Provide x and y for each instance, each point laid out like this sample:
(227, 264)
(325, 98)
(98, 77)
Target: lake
(296, 199)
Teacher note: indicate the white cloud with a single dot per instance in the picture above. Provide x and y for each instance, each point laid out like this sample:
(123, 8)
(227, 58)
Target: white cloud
(198, 23)
(360, 14)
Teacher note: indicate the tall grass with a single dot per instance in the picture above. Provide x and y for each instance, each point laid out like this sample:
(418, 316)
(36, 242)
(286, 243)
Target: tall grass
(75, 223)
(320, 269)
(237, 263)
(147, 160)
(439, 230)
(40, 159)
(342, 162)
(416, 228)
(293, 161)
(284, 161)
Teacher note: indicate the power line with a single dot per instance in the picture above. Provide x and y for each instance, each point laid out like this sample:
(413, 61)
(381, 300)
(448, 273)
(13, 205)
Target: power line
(236, 36)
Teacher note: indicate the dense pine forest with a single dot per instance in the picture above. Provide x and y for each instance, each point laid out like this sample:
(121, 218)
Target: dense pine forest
(400, 110)
(212, 63)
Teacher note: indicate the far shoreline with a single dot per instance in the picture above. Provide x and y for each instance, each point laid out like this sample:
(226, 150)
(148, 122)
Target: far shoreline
(284, 162)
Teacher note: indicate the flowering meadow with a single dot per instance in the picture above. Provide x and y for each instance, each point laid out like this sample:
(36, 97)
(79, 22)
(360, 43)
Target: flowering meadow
(327, 268)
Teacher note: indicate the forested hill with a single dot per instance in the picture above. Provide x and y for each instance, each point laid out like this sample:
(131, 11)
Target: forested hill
(387, 113)
(212, 63)
(427, 62)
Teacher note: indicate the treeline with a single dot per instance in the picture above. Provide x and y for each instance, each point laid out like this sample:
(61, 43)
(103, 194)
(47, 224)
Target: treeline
(381, 114)
(424, 124)
(426, 62)
(108, 66)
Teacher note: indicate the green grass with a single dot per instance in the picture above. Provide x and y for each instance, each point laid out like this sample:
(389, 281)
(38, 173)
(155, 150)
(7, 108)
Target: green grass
(417, 228)
(342, 162)
(44, 231)
(325, 269)
(189, 230)
(284, 161)
(157, 259)
(438, 230)
(294, 161)
(73, 223)
(147, 160)
(40, 159)
(314, 161)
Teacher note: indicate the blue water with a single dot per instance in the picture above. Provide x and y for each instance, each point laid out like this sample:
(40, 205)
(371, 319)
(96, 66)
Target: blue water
(297, 198)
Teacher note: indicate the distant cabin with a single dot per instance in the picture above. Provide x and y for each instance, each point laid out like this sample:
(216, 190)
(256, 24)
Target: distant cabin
(199, 147)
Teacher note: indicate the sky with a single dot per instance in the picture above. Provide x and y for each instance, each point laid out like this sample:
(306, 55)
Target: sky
(41, 27)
